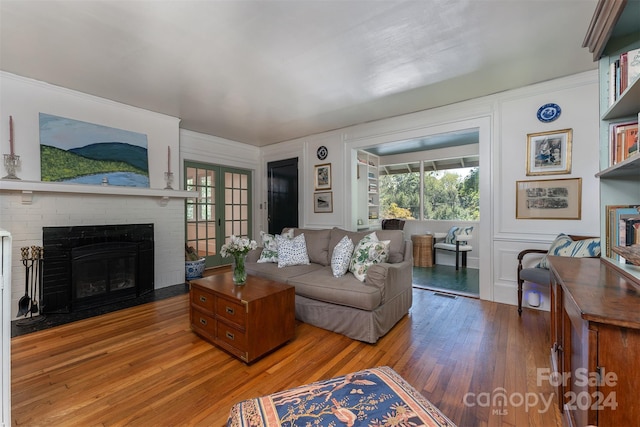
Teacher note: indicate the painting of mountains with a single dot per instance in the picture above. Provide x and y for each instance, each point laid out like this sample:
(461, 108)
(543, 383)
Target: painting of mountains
(79, 152)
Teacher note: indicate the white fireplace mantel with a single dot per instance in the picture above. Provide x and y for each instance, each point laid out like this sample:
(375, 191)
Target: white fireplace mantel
(28, 188)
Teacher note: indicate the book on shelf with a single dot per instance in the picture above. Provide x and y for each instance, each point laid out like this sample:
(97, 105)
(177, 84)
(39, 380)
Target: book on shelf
(623, 71)
(622, 228)
(623, 141)
(633, 66)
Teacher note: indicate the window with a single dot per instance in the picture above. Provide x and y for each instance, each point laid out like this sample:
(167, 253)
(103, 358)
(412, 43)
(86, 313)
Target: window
(449, 192)
(452, 195)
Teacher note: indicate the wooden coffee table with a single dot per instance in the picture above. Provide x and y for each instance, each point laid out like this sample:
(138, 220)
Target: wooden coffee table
(247, 321)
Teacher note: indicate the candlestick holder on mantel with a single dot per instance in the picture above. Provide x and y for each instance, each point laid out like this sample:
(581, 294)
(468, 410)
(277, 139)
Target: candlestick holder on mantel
(11, 162)
(168, 177)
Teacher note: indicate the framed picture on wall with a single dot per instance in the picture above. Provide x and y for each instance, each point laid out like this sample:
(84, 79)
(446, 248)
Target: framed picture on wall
(323, 176)
(323, 202)
(549, 152)
(549, 199)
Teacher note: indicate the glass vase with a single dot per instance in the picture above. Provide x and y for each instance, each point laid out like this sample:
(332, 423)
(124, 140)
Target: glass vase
(239, 270)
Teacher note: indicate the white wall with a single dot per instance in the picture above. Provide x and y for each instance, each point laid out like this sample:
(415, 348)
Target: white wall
(24, 99)
(578, 98)
(504, 120)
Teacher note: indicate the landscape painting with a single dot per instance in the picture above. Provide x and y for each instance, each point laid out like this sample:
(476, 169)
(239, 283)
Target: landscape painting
(73, 151)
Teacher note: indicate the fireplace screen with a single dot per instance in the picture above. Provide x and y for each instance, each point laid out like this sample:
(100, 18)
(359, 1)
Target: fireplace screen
(92, 265)
(99, 276)
(104, 271)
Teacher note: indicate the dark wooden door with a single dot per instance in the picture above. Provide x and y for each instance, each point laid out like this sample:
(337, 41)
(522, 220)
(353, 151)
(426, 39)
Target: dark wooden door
(282, 194)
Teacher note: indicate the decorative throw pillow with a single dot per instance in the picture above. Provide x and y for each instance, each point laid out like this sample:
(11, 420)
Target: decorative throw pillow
(270, 246)
(463, 231)
(368, 252)
(455, 231)
(341, 257)
(451, 235)
(292, 251)
(565, 246)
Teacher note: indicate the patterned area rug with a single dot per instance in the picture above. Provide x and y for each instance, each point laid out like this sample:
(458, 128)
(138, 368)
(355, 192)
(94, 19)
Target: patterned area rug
(374, 397)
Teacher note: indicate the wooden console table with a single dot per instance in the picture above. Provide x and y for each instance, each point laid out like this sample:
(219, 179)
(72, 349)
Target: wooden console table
(595, 335)
(247, 321)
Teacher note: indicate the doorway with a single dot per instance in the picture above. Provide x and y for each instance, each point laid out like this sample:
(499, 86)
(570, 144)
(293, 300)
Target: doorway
(282, 195)
(223, 208)
(436, 139)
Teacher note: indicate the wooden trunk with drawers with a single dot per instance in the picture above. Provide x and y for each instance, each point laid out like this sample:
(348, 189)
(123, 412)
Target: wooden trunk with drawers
(247, 321)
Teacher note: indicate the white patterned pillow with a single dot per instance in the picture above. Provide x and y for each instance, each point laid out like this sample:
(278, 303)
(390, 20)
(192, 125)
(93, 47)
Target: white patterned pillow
(292, 251)
(565, 246)
(451, 235)
(368, 252)
(341, 257)
(455, 231)
(270, 246)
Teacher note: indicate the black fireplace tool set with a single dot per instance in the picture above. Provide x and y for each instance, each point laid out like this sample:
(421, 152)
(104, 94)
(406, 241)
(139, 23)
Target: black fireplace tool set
(28, 305)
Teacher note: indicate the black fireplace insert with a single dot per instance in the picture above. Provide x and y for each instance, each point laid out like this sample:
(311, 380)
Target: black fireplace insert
(90, 266)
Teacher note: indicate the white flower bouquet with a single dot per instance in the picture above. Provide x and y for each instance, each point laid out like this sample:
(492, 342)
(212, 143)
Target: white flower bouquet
(237, 246)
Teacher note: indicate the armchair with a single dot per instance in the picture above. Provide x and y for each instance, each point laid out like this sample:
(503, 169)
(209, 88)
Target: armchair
(564, 245)
(455, 240)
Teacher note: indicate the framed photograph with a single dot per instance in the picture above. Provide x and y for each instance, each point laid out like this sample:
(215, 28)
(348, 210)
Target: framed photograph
(323, 176)
(549, 152)
(549, 199)
(323, 202)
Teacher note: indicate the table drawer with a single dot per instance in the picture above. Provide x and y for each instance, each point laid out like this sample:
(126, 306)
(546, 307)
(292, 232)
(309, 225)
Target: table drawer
(203, 323)
(232, 336)
(232, 311)
(203, 300)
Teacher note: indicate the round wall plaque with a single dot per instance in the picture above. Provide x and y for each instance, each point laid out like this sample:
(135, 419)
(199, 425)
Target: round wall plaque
(322, 152)
(548, 112)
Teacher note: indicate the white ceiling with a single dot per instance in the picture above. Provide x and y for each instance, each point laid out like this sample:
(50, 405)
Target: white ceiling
(267, 71)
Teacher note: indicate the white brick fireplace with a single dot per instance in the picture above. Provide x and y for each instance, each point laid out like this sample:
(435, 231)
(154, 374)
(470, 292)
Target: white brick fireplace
(25, 212)
(28, 205)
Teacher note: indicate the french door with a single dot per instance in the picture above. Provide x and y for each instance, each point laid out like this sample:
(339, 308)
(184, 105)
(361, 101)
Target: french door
(222, 208)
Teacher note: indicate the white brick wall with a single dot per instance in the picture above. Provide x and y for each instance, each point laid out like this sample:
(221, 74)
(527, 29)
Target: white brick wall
(25, 223)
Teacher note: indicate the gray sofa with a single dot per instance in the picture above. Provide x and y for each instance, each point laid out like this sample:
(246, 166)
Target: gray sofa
(364, 311)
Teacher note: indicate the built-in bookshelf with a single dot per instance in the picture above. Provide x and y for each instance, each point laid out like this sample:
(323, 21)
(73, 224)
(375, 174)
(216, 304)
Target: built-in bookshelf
(613, 36)
(368, 191)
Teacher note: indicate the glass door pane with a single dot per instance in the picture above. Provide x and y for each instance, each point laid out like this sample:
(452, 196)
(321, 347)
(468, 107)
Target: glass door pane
(224, 200)
(237, 203)
(201, 210)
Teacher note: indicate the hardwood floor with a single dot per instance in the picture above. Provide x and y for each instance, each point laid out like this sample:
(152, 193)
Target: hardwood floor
(143, 366)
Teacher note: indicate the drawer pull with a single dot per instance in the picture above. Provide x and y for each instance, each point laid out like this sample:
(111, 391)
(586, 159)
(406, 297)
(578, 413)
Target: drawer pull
(230, 335)
(230, 310)
(203, 321)
(203, 298)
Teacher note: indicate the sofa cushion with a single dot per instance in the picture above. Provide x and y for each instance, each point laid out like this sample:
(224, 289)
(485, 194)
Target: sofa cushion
(317, 244)
(270, 246)
(271, 271)
(369, 251)
(396, 247)
(338, 233)
(292, 251)
(341, 257)
(346, 290)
